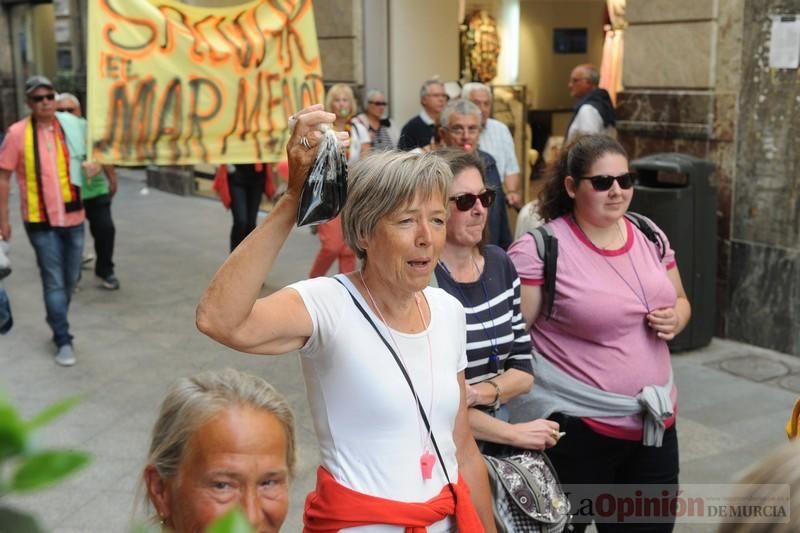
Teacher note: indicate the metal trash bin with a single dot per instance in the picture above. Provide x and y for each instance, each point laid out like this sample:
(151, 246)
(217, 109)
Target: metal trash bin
(674, 190)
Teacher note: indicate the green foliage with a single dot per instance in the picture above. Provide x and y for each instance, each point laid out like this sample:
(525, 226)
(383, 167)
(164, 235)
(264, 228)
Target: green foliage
(234, 521)
(23, 468)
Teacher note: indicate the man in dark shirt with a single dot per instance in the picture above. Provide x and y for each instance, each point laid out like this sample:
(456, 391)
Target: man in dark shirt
(594, 111)
(418, 132)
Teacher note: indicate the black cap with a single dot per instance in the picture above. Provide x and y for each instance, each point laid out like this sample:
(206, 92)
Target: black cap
(34, 82)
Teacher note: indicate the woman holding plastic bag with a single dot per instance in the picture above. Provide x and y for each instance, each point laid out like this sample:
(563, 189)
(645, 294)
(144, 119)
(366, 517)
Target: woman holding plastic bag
(365, 340)
(341, 102)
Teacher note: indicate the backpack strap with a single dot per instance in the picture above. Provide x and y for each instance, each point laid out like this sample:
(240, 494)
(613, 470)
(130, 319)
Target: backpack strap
(646, 226)
(547, 248)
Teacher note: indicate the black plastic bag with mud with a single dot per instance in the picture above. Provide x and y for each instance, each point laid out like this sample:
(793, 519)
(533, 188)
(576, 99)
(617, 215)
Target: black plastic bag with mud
(325, 189)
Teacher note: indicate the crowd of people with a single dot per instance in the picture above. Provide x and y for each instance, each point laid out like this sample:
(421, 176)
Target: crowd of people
(441, 339)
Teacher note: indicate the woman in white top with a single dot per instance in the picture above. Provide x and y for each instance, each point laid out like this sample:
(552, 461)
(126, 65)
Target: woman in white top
(382, 470)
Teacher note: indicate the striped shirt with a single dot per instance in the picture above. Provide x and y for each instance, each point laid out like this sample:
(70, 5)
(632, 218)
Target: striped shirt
(493, 323)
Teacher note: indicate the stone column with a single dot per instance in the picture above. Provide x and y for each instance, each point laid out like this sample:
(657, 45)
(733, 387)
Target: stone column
(697, 80)
(682, 80)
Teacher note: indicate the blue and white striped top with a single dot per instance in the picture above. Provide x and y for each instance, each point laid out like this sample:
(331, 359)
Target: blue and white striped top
(508, 334)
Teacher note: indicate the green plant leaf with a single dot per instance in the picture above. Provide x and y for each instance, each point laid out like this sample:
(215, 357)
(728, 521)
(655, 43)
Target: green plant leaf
(13, 433)
(234, 521)
(12, 521)
(53, 411)
(47, 467)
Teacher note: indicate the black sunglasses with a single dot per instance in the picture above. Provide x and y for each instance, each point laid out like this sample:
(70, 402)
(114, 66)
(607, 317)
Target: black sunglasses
(42, 97)
(66, 109)
(377, 103)
(604, 182)
(464, 202)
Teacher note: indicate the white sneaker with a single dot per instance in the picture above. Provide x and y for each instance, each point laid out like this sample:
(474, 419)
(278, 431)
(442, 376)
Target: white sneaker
(65, 355)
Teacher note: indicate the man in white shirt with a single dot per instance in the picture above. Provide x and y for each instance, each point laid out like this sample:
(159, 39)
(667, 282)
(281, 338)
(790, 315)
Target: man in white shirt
(496, 139)
(594, 112)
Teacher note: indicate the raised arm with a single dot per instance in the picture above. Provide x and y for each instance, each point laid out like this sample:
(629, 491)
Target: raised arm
(230, 311)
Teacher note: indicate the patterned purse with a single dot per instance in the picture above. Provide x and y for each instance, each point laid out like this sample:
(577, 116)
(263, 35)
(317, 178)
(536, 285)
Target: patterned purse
(527, 494)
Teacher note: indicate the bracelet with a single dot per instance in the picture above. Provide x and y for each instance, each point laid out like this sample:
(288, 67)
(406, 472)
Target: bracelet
(496, 403)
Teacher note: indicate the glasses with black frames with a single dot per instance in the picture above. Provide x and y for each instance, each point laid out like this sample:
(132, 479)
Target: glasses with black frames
(604, 182)
(464, 202)
(42, 97)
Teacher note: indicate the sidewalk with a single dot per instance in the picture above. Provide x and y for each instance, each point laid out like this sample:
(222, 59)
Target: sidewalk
(130, 344)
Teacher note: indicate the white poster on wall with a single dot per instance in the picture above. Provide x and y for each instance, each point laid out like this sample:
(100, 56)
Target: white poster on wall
(784, 44)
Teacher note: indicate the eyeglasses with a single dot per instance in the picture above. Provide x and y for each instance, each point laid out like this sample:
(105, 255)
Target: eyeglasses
(460, 130)
(604, 182)
(42, 97)
(66, 109)
(379, 104)
(464, 202)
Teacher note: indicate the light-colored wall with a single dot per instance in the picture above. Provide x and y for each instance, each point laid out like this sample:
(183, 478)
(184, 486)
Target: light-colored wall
(423, 42)
(544, 72)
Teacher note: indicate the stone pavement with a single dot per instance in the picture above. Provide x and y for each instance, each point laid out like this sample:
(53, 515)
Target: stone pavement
(130, 344)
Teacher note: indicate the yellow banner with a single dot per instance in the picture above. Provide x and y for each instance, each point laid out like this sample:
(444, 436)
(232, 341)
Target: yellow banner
(174, 84)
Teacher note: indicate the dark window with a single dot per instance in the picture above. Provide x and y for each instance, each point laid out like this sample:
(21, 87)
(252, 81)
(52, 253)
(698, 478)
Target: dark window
(569, 40)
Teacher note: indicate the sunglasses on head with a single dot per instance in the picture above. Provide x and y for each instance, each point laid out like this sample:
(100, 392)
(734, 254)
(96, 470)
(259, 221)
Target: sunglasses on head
(42, 97)
(464, 202)
(605, 182)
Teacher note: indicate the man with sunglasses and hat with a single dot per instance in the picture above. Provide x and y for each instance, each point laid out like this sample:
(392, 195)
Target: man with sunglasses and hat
(460, 128)
(37, 151)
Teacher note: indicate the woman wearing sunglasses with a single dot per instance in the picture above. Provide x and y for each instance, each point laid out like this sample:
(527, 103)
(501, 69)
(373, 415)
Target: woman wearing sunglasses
(483, 279)
(604, 373)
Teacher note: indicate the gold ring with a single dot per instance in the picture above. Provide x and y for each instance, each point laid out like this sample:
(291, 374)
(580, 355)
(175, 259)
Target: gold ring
(555, 433)
(304, 143)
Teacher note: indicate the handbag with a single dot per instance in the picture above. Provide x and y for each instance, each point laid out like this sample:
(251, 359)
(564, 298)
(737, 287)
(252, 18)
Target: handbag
(527, 496)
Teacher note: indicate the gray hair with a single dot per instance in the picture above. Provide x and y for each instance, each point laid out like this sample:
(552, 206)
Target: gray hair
(459, 106)
(766, 482)
(426, 85)
(591, 73)
(473, 86)
(372, 93)
(384, 182)
(60, 97)
(191, 402)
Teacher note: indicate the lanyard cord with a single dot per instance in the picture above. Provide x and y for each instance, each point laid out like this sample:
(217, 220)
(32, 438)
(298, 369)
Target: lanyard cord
(643, 297)
(494, 356)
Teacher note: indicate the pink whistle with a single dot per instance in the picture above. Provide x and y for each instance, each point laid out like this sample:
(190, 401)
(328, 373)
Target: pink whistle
(426, 462)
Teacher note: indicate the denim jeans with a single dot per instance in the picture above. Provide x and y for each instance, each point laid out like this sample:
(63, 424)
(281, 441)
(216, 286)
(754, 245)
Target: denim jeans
(58, 254)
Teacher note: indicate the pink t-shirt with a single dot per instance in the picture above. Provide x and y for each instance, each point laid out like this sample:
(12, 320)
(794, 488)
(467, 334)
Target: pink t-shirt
(12, 157)
(598, 333)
